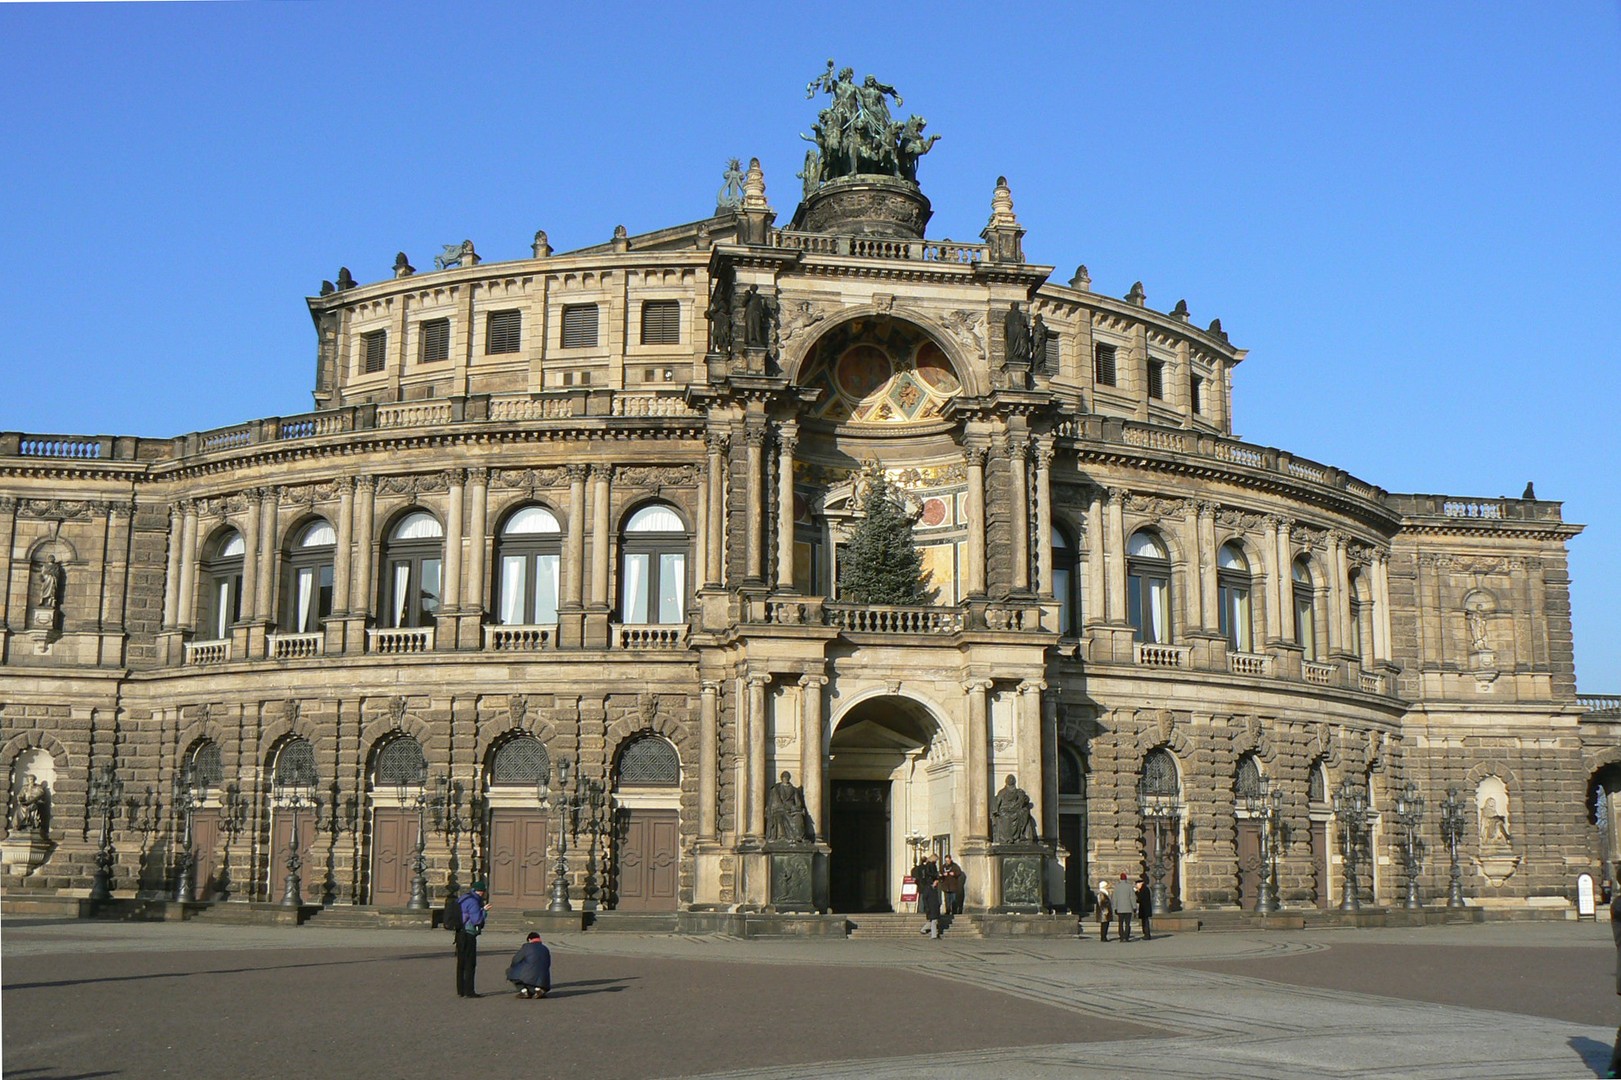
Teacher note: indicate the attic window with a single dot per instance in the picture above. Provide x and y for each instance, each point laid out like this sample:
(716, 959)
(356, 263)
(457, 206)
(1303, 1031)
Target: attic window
(661, 322)
(1103, 364)
(579, 326)
(374, 350)
(502, 331)
(435, 341)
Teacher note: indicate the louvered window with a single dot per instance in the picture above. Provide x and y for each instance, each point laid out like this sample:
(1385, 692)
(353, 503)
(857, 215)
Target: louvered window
(1196, 394)
(374, 348)
(501, 332)
(661, 322)
(580, 326)
(1050, 357)
(435, 341)
(1156, 380)
(1103, 363)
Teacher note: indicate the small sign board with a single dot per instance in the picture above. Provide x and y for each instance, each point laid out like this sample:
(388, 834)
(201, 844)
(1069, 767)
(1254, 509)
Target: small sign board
(908, 890)
(1586, 903)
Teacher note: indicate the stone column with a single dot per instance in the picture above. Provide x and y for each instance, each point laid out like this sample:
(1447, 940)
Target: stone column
(362, 596)
(574, 544)
(811, 756)
(974, 457)
(1044, 515)
(1115, 549)
(268, 538)
(715, 525)
(756, 771)
(1286, 585)
(708, 760)
(1207, 579)
(1381, 605)
(1275, 577)
(1019, 502)
(1095, 603)
(1341, 633)
(342, 553)
(188, 566)
(473, 597)
(787, 439)
(977, 758)
(753, 555)
(600, 540)
(1032, 739)
(1049, 764)
(171, 580)
(250, 555)
(452, 586)
(1196, 610)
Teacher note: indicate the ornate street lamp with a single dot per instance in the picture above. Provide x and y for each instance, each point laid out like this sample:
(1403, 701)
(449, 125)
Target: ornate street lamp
(187, 798)
(233, 819)
(1159, 813)
(340, 817)
(419, 864)
(1409, 815)
(294, 793)
(106, 792)
(1351, 814)
(1452, 826)
(559, 901)
(1266, 806)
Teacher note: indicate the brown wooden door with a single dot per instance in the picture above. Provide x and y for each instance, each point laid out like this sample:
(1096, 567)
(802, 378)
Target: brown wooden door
(1319, 864)
(518, 857)
(205, 846)
(310, 874)
(393, 847)
(648, 862)
(1250, 871)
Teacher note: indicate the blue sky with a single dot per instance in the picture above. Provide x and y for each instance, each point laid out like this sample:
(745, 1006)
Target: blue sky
(1408, 213)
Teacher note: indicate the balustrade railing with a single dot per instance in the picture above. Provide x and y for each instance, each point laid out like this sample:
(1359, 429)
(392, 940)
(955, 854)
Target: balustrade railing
(650, 635)
(50, 446)
(208, 652)
(1600, 703)
(872, 247)
(519, 638)
(633, 404)
(1160, 656)
(1317, 674)
(414, 414)
(295, 646)
(867, 619)
(1241, 663)
(225, 438)
(400, 642)
(556, 407)
(1370, 682)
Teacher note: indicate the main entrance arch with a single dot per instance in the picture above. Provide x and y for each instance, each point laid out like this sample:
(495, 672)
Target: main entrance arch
(890, 779)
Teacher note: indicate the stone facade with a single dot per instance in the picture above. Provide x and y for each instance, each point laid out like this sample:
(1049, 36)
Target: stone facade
(595, 500)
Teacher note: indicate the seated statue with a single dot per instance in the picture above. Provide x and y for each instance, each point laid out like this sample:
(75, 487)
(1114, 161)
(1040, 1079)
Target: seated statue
(786, 820)
(1012, 820)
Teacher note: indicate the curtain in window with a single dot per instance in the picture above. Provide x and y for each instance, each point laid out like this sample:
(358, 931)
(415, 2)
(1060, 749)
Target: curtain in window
(635, 588)
(672, 577)
(222, 608)
(547, 569)
(430, 589)
(306, 593)
(512, 589)
(402, 592)
(1158, 594)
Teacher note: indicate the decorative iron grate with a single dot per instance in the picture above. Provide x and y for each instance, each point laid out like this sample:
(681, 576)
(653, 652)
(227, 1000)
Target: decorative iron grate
(206, 769)
(401, 762)
(1247, 785)
(650, 762)
(520, 761)
(296, 763)
(1159, 774)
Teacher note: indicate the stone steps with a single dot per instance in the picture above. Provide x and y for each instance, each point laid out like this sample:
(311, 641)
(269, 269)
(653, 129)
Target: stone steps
(901, 925)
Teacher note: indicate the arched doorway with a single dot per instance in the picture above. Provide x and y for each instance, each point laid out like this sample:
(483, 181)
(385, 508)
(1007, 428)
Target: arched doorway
(1604, 811)
(518, 792)
(890, 783)
(399, 777)
(647, 825)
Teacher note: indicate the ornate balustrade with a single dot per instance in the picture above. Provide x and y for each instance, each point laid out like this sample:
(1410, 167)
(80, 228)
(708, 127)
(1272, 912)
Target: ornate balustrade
(1370, 682)
(1317, 674)
(870, 619)
(400, 642)
(1240, 663)
(649, 635)
(520, 638)
(414, 414)
(208, 652)
(1160, 656)
(1600, 704)
(295, 646)
(634, 404)
(873, 247)
(536, 407)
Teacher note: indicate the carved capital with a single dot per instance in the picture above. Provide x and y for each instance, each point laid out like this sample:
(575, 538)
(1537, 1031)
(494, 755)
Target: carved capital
(601, 473)
(974, 456)
(718, 443)
(710, 687)
(577, 473)
(807, 682)
(455, 477)
(1032, 686)
(977, 686)
(755, 437)
(479, 476)
(1117, 495)
(365, 483)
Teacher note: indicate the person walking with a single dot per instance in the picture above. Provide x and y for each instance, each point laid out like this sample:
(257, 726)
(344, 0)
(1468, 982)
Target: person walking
(1124, 901)
(927, 876)
(531, 968)
(473, 908)
(1145, 907)
(951, 887)
(1105, 911)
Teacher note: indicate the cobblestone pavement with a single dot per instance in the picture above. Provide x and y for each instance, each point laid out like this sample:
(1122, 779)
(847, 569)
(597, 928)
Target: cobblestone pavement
(1509, 1000)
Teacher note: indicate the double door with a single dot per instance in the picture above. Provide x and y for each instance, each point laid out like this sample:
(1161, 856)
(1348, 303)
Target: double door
(519, 839)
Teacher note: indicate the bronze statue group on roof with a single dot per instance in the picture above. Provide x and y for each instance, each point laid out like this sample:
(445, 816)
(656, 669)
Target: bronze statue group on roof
(856, 135)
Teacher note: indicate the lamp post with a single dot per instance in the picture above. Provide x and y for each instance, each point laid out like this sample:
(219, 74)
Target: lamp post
(559, 901)
(105, 793)
(419, 863)
(1351, 814)
(1409, 814)
(1266, 806)
(293, 793)
(233, 819)
(595, 798)
(187, 798)
(448, 819)
(342, 816)
(1452, 826)
(1159, 814)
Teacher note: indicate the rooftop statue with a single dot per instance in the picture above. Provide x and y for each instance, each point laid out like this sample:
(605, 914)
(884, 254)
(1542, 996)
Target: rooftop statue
(856, 134)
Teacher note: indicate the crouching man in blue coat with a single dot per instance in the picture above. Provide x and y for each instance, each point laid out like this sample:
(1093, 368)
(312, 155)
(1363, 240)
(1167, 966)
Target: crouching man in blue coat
(531, 968)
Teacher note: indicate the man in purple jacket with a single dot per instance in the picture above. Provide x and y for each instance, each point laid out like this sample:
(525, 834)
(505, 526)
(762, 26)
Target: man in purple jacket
(473, 907)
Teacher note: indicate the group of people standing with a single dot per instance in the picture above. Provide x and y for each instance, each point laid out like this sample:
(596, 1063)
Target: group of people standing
(939, 891)
(531, 967)
(1117, 903)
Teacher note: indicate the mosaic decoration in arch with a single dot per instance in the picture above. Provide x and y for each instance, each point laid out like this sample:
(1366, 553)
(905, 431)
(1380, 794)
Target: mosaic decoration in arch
(880, 371)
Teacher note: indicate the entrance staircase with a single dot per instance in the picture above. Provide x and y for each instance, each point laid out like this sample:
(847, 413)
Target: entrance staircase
(905, 925)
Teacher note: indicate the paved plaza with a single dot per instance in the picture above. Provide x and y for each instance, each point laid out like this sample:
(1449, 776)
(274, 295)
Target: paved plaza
(1510, 1000)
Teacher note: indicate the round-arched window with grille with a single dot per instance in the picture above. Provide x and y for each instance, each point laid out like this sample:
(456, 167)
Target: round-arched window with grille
(1159, 774)
(400, 762)
(204, 768)
(650, 762)
(1317, 791)
(522, 760)
(295, 764)
(1247, 783)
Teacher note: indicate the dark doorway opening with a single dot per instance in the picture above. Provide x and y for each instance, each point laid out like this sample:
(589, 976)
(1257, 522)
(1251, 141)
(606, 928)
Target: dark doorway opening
(858, 836)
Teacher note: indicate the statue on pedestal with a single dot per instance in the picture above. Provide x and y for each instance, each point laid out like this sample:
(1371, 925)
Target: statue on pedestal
(786, 819)
(30, 814)
(1012, 819)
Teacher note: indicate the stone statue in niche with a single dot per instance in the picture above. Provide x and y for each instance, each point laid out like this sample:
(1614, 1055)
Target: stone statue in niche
(1477, 630)
(31, 814)
(1493, 826)
(786, 819)
(1012, 818)
(1016, 336)
(759, 318)
(51, 576)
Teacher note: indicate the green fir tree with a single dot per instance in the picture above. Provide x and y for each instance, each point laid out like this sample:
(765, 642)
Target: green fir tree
(881, 564)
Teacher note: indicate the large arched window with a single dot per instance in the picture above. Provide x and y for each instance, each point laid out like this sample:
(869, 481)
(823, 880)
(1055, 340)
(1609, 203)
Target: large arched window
(1066, 582)
(1148, 588)
(1305, 594)
(1361, 594)
(222, 585)
(528, 557)
(204, 768)
(295, 765)
(521, 761)
(412, 562)
(653, 567)
(1233, 585)
(307, 598)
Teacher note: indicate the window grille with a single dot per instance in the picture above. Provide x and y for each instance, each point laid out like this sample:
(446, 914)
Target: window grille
(502, 330)
(650, 762)
(296, 764)
(435, 341)
(1103, 364)
(661, 322)
(205, 767)
(374, 346)
(1318, 790)
(1247, 784)
(1196, 394)
(579, 326)
(1156, 380)
(520, 761)
(1159, 774)
(400, 761)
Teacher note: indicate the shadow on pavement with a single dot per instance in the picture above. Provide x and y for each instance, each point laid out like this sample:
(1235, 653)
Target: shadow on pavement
(220, 971)
(1594, 1054)
(590, 986)
(51, 1074)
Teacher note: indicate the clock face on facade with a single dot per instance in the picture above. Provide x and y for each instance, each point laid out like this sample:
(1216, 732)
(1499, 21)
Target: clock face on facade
(880, 371)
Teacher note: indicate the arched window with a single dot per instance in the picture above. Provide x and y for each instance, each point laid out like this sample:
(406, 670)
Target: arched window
(204, 768)
(653, 570)
(521, 761)
(412, 561)
(1233, 585)
(529, 557)
(400, 763)
(295, 765)
(307, 598)
(1317, 789)
(1361, 643)
(1066, 582)
(1159, 779)
(1148, 588)
(1071, 772)
(1247, 780)
(1305, 594)
(649, 761)
(222, 585)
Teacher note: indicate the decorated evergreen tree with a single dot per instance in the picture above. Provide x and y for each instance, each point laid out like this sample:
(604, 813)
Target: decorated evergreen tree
(881, 564)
